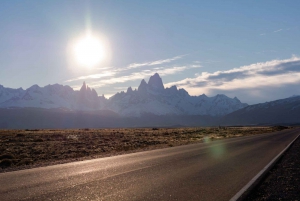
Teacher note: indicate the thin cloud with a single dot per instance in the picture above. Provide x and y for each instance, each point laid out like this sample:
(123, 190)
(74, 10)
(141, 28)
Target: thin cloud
(113, 72)
(207, 62)
(141, 75)
(196, 66)
(265, 51)
(278, 30)
(93, 76)
(120, 88)
(152, 63)
(104, 68)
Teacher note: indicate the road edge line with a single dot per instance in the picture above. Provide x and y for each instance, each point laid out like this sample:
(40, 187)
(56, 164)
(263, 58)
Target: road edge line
(242, 194)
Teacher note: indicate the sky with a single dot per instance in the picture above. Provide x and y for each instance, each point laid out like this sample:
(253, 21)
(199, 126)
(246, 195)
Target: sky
(249, 50)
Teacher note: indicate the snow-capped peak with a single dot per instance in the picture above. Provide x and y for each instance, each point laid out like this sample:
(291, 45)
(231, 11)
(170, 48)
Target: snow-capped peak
(154, 98)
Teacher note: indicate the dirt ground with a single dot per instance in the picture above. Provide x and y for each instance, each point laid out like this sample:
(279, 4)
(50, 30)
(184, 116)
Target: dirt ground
(22, 149)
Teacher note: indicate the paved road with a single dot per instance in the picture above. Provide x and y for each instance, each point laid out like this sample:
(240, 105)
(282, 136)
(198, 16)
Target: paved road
(206, 171)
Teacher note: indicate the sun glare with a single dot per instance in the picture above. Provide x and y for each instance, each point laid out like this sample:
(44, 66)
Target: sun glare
(89, 51)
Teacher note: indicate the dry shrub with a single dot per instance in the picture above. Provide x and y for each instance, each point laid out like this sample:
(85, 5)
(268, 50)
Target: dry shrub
(25, 161)
(6, 163)
(6, 156)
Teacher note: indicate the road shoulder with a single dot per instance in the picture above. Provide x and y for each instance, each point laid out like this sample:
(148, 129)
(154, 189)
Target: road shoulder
(282, 181)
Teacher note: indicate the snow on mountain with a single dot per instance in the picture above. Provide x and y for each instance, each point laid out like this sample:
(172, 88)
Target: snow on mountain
(8, 93)
(50, 96)
(153, 98)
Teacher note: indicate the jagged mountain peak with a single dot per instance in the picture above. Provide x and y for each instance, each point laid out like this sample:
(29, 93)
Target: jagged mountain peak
(220, 95)
(88, 88)
(173, 87)
(183, 92)
(35, 86)
(172, 90)
(143, 82)
(150, 97)
(154, 98)
(83, 88)
(155, 82)
(143, 86)
(129, 90)
(236, 99)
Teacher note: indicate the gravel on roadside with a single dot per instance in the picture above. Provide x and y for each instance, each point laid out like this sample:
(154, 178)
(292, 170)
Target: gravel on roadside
(283, 180)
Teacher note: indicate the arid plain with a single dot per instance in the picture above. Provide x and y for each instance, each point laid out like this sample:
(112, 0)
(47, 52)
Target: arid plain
(22, 149)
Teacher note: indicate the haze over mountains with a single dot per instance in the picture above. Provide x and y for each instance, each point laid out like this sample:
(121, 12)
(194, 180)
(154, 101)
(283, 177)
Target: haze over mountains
(151, 105)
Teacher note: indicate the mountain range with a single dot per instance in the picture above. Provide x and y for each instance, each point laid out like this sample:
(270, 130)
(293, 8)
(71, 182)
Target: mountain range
(150, 105)
(151, 97)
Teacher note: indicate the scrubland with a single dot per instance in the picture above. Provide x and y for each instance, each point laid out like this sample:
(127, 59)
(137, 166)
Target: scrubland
(21, 149)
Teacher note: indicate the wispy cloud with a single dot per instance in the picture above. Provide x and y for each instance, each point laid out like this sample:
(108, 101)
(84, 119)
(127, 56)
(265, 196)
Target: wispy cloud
(104, 68)
(116, 76)
(141, 75)
(93, 76)
(207, 62)
(120, 88)
(196, 66)
(278, 30)
(152, 63)
(273, 73)
(265, 51)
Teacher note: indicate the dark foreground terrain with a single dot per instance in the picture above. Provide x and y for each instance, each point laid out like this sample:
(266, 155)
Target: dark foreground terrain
(210, 171)
(283, 181)
(21, 149)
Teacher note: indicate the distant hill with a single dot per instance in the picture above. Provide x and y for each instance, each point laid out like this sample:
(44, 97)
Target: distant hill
(283, 111)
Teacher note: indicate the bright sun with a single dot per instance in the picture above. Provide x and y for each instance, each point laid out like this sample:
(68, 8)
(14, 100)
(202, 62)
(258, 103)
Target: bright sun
(89, 51)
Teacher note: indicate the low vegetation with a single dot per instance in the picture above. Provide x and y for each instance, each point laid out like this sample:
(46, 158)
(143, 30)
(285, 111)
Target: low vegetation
(21, 149)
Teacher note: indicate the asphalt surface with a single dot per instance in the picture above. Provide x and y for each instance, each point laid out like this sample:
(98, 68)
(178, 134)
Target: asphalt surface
(214, 170)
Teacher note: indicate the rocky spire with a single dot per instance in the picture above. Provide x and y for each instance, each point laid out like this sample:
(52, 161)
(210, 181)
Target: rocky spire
(83, 88)
(172, 90)
(155, 82)
(143, 86)
(94, 93)
(129, 90)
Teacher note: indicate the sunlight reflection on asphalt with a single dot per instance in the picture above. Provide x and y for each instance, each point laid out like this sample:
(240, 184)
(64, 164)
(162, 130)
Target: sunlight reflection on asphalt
(215, 151)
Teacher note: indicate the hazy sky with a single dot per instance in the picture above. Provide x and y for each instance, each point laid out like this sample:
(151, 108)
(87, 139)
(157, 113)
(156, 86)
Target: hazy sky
(247, 49)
